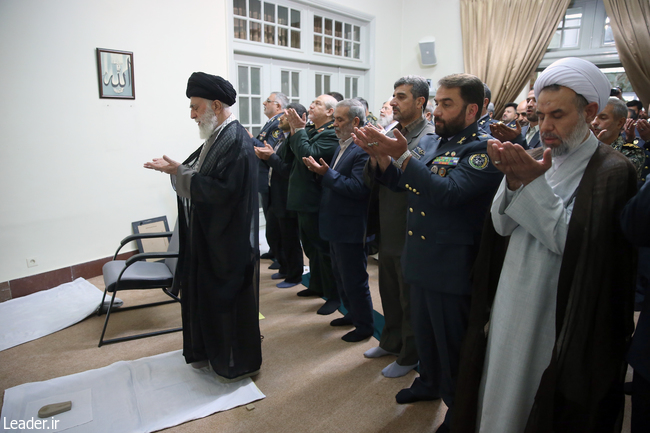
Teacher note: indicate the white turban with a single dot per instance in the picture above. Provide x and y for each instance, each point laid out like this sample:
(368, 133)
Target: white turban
(579, 75)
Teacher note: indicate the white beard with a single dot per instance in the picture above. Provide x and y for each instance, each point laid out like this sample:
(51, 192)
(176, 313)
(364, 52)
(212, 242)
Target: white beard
(208, 123)
(385, 121)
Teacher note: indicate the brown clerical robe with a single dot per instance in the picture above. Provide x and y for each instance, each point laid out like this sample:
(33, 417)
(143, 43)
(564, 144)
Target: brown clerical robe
(581, 389)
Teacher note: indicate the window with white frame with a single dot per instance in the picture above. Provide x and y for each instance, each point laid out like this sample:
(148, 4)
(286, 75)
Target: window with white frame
(266, 22)
(336, 37)
(249, 98)
(567, 34)
(322, 84)
(351, 87)
(290, 84)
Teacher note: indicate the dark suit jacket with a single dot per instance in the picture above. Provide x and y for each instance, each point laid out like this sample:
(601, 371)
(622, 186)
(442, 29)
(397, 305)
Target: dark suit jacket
(304, 190)
(635, 222)
(448, 198)
(281, 162)
(269, 133)
(344, 201)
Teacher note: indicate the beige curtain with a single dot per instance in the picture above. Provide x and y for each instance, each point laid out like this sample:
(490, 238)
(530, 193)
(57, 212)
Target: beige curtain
(630, 20)
(504, 41)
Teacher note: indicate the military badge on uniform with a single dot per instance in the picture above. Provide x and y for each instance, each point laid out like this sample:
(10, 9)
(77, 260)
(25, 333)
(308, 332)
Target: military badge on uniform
(262, 134)
(276, 133)
(321, 130)
(446, 160)
(479, 161)
(460, 142)
(453, 153)
(442, 172)
(434, 169)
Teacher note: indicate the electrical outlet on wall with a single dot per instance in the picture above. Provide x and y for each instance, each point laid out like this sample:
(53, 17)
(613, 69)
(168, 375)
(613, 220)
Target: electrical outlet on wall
(32, 262)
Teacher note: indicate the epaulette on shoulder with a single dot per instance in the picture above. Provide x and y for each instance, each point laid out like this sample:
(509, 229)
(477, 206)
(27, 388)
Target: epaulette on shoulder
(631, 146)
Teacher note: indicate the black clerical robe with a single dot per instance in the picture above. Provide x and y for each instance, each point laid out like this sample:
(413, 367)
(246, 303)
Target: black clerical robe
(582, 388)
(218, 265)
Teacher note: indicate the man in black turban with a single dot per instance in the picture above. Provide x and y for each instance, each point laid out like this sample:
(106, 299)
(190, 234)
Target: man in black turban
(217, 221)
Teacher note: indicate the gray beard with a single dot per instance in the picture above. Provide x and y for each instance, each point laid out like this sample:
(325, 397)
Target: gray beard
(575, 139)
(208, 124)
(385, 121)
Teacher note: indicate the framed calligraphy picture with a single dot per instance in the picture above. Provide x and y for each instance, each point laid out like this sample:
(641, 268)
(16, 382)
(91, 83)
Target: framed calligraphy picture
(115, 73)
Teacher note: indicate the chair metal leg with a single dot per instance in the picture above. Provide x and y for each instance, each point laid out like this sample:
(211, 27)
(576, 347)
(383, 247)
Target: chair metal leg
(108, 314)
(101, 304)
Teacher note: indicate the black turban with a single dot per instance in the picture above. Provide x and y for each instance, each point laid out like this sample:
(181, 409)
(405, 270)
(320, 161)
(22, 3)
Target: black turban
(210, 87)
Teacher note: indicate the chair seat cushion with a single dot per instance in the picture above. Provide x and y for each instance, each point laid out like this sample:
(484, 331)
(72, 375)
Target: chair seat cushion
(140, 275)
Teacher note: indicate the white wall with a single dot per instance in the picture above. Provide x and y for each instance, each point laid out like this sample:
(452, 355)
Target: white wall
(72, 177)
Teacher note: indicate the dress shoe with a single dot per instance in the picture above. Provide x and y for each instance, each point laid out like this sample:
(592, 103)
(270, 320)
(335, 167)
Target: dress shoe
(307, 292)
(278, 276)
(274, 266)
(408, 396)
(329, 307)
(356, 336)
(341, 321)
(285, 285)
(268, 255)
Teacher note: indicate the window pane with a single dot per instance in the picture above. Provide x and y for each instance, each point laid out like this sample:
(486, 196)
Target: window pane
(283, 37)
(570, 38)
(337, 47)
(326, 84)
(295, 84)
(348, 31)
(318, 43)
(269, 12)
(295, 18)
(357, 34)
(244, 117)
(269, 34)
(242, 77)
(295, 101)
(348, 49)
(318, 24)
(295, 39)
(283, 15)
(338, 29)
(572, 23)
(328, 26)
(256, 131)
(328, 46)
(319, 85)
(240, 29)
(555, 42)
(255, 9)
(255, 81)
(355, 87)
(256, 32)
(347, 87)
(256, 105)
(357, 51)
(608, 38)
(239, 7)
(285, 82)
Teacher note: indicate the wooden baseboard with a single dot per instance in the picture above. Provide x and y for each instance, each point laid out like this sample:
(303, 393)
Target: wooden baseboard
(47, 280)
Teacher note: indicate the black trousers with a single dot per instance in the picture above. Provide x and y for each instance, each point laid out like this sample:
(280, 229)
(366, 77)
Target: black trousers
(317, 251)
(439, 322)
(349, 262)
(284, 240)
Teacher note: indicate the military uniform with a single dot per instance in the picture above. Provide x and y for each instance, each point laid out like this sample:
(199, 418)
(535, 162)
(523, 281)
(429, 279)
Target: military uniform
(304, 197)
(634, 153)
(269, 133)
(449, 197)
(397, 334)
(372, 119)
(484, 124)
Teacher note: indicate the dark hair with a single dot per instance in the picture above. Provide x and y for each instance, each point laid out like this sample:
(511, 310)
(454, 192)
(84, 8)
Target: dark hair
(472, 89)
(419, 87)
(635, 103)
(511, 104)
(300, 110)
(615, 91)
(336, 96)
(488, 94)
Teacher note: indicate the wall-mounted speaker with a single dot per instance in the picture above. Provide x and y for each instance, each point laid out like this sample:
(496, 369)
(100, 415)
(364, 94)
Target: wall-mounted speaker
(428, 52)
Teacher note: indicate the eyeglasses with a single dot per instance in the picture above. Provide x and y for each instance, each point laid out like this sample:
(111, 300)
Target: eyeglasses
(268, 101)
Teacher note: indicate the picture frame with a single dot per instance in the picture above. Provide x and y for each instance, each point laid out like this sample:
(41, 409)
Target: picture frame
(115, 74)
(151, 225)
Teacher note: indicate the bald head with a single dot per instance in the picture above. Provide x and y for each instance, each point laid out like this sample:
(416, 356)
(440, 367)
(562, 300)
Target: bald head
(521, 113)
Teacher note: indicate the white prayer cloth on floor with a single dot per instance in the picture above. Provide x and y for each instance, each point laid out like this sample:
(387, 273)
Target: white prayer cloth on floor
(144, 395)
(39, 314)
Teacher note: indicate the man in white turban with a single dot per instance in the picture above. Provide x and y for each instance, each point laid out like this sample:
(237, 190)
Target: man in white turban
(552, 302)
